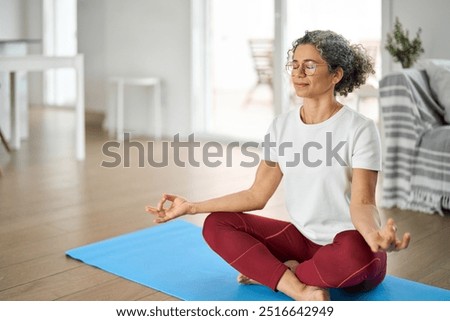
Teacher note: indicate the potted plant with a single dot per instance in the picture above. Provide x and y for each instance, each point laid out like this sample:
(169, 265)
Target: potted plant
(401, 48)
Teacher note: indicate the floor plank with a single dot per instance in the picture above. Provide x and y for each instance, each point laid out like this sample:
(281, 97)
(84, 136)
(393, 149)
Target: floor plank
(117, 289)
(58, 285)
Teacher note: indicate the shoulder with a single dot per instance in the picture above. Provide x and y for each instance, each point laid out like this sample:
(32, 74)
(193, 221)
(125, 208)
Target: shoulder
(356, 121)
(282, 120)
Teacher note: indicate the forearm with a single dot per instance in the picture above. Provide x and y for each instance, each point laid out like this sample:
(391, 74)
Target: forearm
(365, 218)
(237, 202)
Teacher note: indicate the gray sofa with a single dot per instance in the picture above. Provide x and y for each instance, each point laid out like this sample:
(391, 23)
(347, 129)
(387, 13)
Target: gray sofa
(416, 142)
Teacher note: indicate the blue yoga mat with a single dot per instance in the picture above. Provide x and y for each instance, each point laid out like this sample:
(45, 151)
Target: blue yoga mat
(173, 258)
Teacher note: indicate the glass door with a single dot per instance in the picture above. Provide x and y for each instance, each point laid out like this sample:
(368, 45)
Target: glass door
(240, 50)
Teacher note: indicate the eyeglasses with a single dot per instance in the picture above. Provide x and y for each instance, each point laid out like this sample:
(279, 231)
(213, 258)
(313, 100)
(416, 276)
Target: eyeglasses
(308, 67)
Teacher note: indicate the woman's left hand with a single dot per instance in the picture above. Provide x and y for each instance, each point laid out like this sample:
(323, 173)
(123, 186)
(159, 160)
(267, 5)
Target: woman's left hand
(385, 239)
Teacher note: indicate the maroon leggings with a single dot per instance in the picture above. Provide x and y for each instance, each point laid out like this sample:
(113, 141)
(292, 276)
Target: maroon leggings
(257, 246)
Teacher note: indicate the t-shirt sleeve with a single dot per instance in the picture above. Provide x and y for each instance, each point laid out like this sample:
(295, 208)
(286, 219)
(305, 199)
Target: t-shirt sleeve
(269, 149)
(367, 147)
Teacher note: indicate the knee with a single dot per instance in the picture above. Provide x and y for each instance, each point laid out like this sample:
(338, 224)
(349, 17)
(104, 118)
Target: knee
(354, 243)
(211, 226)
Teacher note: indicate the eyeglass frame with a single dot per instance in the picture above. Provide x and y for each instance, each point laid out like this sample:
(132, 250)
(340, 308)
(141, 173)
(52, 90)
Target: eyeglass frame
(302, 67)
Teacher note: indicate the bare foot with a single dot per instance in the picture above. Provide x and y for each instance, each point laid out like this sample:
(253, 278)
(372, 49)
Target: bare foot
(313, 293)
(291, 285)
(242, 279)
(309, 293)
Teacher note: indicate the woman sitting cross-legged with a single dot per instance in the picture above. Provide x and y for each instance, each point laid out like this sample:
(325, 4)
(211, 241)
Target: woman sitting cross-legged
(328, 156)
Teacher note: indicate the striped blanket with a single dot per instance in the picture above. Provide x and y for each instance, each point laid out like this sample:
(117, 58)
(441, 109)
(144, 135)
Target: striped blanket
(416, 145)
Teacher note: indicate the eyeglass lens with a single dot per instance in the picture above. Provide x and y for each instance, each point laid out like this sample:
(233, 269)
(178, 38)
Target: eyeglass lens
(308, 68)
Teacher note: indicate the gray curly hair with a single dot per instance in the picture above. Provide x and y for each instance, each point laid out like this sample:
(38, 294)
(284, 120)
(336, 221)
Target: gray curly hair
(338, 52)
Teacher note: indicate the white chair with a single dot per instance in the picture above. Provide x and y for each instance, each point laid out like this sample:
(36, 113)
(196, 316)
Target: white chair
(262, 55)
(115, 113)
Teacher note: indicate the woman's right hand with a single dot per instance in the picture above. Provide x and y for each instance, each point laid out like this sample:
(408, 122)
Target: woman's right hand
(178, 207)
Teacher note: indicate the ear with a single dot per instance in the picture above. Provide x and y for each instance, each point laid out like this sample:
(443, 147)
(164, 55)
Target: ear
(338, 74)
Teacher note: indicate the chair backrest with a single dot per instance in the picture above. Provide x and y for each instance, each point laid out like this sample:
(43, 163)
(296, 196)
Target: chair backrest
(262, 54)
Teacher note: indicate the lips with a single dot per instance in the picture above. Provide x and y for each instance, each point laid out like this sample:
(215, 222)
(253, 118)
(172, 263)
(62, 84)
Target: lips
(301, 85)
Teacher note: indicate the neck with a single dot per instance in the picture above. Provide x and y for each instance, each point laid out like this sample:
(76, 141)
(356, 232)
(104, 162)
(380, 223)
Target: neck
(314, 112)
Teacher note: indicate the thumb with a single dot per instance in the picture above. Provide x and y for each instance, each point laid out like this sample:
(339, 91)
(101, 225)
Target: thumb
(170, 197)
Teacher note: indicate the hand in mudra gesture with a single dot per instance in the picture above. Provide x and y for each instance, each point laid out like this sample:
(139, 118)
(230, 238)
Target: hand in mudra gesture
(178, 207)
(385, 239)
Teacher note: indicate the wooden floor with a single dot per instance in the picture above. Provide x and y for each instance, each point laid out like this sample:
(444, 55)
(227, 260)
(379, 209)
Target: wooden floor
(49, 203)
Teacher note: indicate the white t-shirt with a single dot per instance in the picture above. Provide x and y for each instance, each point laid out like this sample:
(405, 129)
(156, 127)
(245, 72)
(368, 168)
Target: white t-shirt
(317, 161)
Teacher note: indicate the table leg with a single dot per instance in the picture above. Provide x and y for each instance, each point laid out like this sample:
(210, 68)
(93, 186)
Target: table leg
(15, 113)
(119, 117)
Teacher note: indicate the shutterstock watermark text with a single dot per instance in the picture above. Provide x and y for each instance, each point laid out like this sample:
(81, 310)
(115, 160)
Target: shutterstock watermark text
(214, 154)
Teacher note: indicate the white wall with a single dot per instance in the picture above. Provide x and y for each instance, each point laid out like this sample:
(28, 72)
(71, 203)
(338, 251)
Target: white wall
(139, 38)
(92, 43)
(11, 19)
(432, 16)
(20, 19)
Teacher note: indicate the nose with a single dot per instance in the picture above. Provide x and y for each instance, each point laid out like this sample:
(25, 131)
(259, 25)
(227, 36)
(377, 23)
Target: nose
(300, 72)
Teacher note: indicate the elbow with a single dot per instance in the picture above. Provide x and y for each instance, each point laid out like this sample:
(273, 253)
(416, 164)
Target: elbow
(257, 202)
(262, 201)
(260, 205)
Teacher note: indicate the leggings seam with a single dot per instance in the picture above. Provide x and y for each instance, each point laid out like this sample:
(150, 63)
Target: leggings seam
(351, 275)
(278, 233)
(234, 261)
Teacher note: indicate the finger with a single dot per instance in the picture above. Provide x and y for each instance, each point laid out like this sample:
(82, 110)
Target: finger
(161, 202)
(161, 220)
(170, 197)
(391, 225)
(151, 209)
(386, 240)
(394, 243)
(403, 244)
(166, 197)
(389, 231)
(155, 211)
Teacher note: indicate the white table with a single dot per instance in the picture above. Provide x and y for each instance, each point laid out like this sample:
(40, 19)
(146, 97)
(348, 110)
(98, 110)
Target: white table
(14, 64)
(116, 113)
